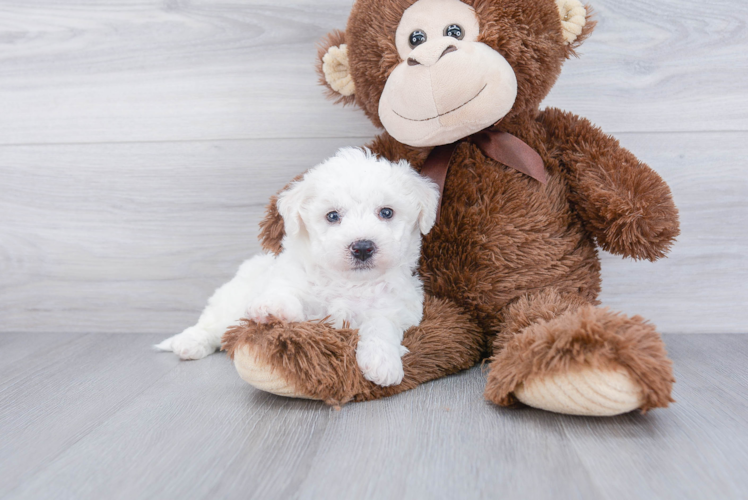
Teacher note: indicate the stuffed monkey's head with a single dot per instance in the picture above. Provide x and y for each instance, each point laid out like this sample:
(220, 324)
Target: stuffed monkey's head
(432, 72)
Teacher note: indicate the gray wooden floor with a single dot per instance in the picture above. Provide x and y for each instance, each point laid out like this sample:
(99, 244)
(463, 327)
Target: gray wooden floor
(101, 416)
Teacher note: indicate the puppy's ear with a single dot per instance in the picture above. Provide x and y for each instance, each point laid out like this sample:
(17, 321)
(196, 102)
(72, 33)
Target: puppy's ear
(426, 193)
(289, 206)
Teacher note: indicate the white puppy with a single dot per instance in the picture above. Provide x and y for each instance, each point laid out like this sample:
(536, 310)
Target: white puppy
(353, 238)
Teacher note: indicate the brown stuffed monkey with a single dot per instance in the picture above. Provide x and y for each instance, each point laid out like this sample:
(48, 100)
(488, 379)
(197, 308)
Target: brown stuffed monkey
(511, 270)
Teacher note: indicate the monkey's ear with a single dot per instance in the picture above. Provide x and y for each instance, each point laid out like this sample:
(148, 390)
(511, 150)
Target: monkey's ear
(575, 21)
(334, 69)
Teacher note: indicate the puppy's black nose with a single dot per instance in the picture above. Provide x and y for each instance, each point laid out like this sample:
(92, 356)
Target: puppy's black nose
(363, 249)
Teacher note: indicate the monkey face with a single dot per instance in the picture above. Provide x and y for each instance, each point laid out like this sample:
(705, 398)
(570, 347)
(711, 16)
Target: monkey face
(432, 72)
(448, 84)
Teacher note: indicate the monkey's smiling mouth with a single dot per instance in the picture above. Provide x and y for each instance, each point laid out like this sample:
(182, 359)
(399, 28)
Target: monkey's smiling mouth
(446, 112)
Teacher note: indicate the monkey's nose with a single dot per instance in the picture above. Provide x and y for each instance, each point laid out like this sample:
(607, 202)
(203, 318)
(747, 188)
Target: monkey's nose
(412, 61)
(363, 249)
(449, 49)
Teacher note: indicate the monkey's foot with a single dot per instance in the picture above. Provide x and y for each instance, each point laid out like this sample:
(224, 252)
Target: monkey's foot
(586, 361)
(316, 361)
(310, 360)
(261, 375)
(589, 391)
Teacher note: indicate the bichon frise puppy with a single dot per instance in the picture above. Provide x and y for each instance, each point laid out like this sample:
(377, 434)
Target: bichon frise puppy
(353, 238)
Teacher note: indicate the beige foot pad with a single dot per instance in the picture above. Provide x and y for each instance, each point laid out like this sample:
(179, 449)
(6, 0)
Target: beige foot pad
(260, 375)
(587, 392)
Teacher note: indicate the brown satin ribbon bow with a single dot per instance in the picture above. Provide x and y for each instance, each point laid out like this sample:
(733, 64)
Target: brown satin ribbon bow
(500, 146)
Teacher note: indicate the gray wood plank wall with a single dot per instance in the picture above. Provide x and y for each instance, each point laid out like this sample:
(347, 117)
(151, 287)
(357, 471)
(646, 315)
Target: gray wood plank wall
(139, 142)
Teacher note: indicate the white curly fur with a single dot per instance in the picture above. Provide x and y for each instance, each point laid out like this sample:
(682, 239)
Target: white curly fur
(316, 276)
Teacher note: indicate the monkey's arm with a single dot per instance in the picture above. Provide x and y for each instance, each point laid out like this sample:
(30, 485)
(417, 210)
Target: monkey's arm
(623, 202)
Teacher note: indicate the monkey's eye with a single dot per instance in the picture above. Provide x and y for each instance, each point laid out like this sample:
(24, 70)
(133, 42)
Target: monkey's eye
(386, 213)
(417, 38)
(333, 217)
(455, 31)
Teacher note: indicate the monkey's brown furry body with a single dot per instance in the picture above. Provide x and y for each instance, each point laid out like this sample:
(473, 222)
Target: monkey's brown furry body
(511, 270)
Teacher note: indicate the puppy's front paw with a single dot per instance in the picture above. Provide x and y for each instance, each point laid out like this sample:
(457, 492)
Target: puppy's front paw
(280, 306)
(380, 361)
(192, 343)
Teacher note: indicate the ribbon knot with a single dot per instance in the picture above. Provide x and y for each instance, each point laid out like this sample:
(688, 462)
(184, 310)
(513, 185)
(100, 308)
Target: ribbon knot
(502, 147)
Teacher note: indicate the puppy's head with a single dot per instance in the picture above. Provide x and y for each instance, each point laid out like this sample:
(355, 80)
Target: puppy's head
(357, 213)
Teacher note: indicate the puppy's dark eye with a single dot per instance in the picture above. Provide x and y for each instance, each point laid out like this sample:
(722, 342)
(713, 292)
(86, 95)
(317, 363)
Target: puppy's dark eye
(417, 38)
(455, 31)
(386, 213)
(333, 217)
